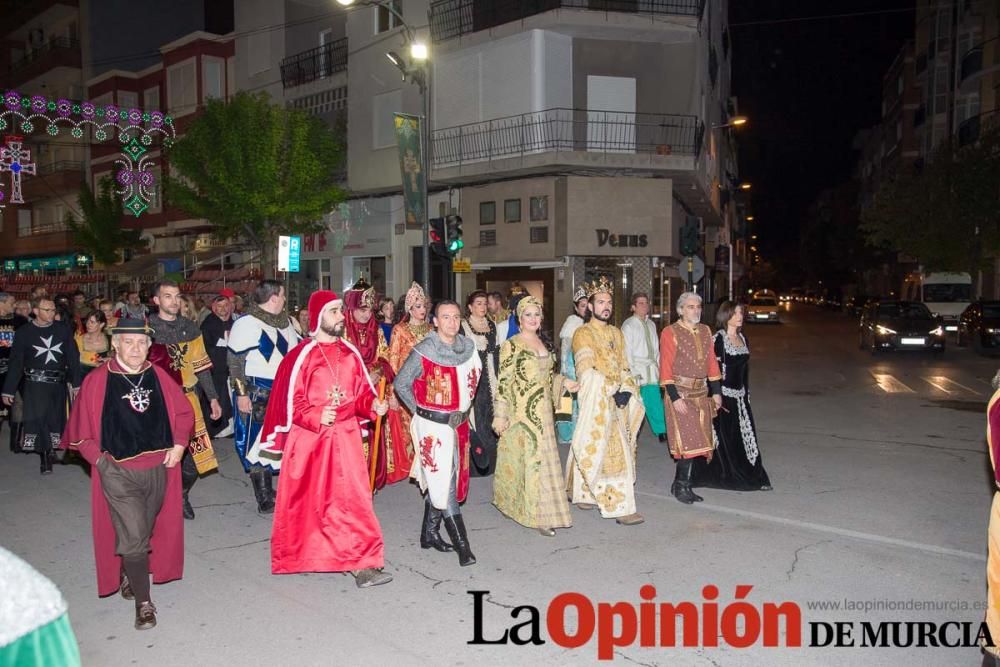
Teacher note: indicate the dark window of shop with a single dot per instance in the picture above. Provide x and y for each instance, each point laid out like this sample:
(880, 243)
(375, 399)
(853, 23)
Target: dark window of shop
(539, 209)
(487, 237)
(488, 213)
(512, 210)
(539, 234)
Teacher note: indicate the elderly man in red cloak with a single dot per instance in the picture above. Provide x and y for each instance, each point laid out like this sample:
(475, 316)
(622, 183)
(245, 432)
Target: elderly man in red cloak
(132, 423)
(324, 519)
(364, 333)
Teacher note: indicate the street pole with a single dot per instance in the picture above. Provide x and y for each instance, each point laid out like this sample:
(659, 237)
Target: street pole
(425, 151)
(690, 273)
(731, 259)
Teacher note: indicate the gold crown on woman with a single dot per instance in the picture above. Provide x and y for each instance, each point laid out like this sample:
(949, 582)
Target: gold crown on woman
(601, 284)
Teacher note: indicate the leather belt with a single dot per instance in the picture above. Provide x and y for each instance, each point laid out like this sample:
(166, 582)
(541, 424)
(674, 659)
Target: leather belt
(691, 383)
(40, 375)
(452, 419)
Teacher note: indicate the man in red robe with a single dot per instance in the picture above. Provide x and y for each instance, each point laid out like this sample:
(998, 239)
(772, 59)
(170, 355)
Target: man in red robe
(364, 333)
(324, 518)
(132, 423)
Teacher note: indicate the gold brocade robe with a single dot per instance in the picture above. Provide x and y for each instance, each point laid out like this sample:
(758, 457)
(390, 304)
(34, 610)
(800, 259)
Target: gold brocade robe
(601, 465)
(190, 358)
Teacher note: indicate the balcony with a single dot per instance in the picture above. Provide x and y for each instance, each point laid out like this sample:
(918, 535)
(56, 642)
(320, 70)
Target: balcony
(318, 63)
(561, 138)
(53, 178)
(454, 18)
(972, 63)
(17, 13)
(57, 52)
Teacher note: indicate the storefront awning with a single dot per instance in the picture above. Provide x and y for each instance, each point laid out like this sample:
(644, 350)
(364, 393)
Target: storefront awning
(556, 264)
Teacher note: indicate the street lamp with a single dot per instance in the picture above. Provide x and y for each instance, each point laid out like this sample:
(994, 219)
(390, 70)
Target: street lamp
(417, 72)
(735, 121)
(745, 186)
(749, 218)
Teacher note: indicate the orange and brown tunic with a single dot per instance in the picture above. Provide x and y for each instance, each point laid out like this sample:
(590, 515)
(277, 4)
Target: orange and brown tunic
(690, 372)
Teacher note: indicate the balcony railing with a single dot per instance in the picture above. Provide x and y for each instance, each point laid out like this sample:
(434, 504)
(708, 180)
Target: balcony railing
(51, 46)
(567, 130)
(317, 63)
(453, 18)
(972, 63)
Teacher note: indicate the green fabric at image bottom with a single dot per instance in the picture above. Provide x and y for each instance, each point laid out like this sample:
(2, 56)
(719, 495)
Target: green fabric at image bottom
(653, 400)
(52, 644)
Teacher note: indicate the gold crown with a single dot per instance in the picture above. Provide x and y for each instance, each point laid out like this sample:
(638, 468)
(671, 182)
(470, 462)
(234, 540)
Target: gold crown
(369, 299)
(602, 284)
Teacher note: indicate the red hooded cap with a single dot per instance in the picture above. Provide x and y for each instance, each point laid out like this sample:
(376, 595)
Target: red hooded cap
(319, 302)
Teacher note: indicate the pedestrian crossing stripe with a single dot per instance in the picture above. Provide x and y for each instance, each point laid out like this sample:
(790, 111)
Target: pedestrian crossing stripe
(890, 385)
(948, 385)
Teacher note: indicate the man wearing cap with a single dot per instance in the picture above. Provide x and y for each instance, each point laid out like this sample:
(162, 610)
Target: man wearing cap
(43, 360)
(132, 423)
(258, 342)
(215, 331)
(601, 467)
(324, 520)
(179, 349)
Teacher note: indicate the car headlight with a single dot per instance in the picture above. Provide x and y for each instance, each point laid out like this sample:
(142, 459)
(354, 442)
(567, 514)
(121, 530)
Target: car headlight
(939, 331)
(993, 331)
(885, 331)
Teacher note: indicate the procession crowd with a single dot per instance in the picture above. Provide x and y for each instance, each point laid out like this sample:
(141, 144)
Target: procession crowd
(347, 397)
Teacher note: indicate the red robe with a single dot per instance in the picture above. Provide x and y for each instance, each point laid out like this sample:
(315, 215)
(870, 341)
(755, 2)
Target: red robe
(324, 519)
(83, 432)
(370, 343)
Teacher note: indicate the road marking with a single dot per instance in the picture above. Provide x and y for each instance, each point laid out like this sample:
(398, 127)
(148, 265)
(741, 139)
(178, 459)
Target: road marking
(890, 385)
(941, 382)
(833, 530)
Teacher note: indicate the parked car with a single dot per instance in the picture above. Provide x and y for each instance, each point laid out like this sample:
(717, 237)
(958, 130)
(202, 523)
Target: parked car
(979, 324)
(763, 307)
(900, 325)
(855, 305)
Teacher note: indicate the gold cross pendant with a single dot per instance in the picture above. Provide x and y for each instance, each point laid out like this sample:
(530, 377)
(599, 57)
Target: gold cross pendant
(336, 395)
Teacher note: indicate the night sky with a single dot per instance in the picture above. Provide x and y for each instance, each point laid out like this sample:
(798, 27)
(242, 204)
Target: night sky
(807, 86)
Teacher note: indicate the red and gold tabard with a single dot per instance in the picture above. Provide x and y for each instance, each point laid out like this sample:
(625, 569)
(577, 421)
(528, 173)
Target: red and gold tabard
(687, 361)
(993, 557)
(443, 389)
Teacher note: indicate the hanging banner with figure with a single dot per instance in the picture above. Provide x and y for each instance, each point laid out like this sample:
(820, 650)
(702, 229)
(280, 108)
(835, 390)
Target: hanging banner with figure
(411, 165)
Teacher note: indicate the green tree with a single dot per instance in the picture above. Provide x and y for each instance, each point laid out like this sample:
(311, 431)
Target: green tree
(256, 170)
(99, 231)
(947, 215)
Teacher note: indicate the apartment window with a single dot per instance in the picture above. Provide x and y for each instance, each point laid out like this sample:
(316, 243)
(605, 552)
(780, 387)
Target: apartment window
(539, 234)
(488, 213)
(539, 208)
(151, 99)
(127, 99)
(182, 91)
(512, 210)
(487, 237)
(23, 222)
(211, 78)
(899, 85)
(386, 20)
(383, 126)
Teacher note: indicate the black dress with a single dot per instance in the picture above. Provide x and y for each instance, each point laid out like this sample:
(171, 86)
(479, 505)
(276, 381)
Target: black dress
(483, 440)
(737, 462)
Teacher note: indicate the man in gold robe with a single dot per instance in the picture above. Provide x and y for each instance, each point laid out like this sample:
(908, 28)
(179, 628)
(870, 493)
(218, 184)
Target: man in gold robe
(600, 472)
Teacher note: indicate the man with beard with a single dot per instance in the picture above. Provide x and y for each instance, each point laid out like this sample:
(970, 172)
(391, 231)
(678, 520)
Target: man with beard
(364, 333)
(132, 424)
(324, 520)
(9, 323)
(43, 359)
(215, 330)
(437, 384)
(600, 472)
(258, 342)
(179, 349)
(690, 374)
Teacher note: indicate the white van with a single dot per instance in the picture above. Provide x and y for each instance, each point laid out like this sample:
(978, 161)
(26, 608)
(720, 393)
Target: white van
(945, 294)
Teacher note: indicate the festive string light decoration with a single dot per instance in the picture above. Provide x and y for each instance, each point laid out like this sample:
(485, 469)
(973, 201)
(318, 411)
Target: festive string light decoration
(136, 130)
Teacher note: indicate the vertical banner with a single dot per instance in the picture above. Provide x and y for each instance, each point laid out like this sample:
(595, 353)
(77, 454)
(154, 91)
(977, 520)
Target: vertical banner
(283, 252)
(411, 166)
(289, 253)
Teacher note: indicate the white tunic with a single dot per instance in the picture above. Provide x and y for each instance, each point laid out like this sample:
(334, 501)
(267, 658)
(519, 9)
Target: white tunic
(642, 349)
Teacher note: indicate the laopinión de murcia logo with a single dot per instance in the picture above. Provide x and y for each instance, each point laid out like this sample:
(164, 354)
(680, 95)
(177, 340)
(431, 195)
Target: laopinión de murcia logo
(708, 623)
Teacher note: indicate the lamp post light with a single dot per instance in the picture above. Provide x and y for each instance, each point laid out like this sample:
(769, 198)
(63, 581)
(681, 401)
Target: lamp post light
(733, 122)
(416, 71)
(745, 186)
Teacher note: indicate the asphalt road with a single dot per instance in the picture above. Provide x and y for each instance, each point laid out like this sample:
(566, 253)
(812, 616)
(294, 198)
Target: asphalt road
(881, 496)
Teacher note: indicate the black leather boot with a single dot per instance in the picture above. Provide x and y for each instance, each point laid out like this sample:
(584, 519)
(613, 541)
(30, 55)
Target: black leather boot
(261, 481)
(690, 480)
(430, 532)
(269, 485)
(15, 434)
(46, 464)
(456, 531)
(189, 475)
(681, 488)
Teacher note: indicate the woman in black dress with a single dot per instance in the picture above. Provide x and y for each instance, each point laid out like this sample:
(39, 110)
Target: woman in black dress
(736, 463)
(481, 330)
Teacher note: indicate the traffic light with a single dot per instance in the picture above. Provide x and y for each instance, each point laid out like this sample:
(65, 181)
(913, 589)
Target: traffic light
(438, 238)
(690, 241)
(454, 235)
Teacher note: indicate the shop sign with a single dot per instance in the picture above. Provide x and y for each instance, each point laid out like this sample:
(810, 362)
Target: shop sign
(461, 265)
(606, 238)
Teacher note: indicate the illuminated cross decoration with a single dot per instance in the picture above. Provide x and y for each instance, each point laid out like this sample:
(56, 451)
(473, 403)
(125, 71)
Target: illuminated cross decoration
(17, 161)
